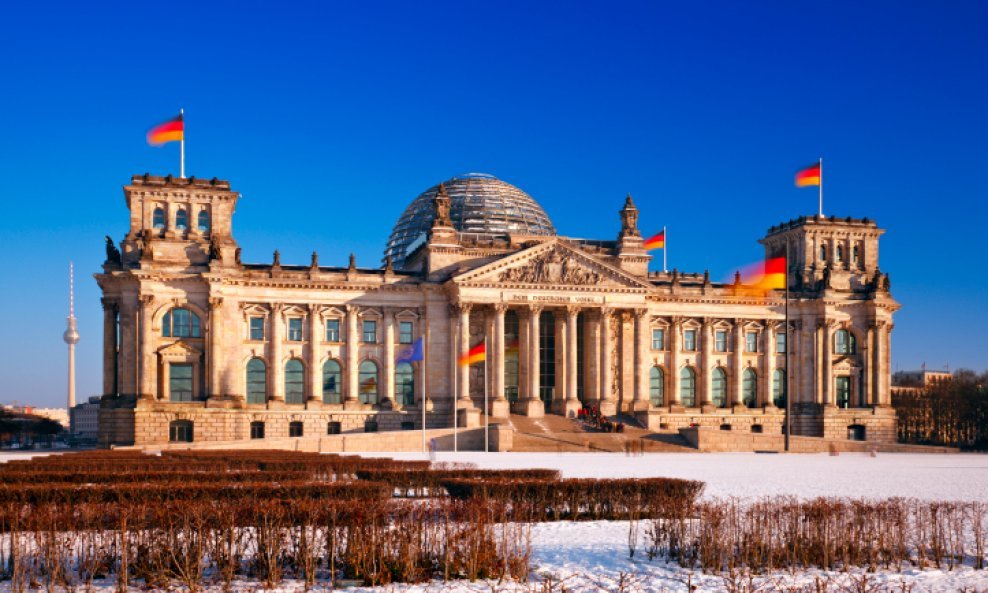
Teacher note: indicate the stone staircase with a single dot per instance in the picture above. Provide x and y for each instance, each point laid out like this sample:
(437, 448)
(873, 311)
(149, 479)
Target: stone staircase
(553, 433)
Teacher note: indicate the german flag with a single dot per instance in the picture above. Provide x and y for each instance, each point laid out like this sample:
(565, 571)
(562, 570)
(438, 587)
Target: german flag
(171, 131)
(808, 176)
(765, 276)
(476, 354)
(656, 241)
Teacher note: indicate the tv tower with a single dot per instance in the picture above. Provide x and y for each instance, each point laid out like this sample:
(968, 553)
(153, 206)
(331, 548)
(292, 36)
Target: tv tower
(71, 337)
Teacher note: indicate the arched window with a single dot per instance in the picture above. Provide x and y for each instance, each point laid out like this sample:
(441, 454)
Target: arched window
(855, 254)
(840, 253)
(368, 382)
(332, 379)
(687, 387)
(294, 382)
(180, 431)
(181, 220)
(180, 323)
(656, 386)
(158, 219)
(844, 342)
(718, 388)
(203, 222)
(257, 381)
(823, 253)
(779, 388)
(749, 388)
(404, 384)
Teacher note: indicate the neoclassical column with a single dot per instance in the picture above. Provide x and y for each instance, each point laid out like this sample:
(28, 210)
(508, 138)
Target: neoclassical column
(463, 371)
(818, 363)
(867, 367)
(706, 386)
(768, 355)
(499, 349)
(524, 356)
(352, 356)
(147, 384)
(607, 404)
(561, 337)
(737, 367)
(388, 365)
(572, 352)
(315, 369)
(534, 314)
(214, 356)
(591, 375)
(883, 356)
(641, 359)
(676, 350)
(110, 311)
(277, 388)
(828, 363)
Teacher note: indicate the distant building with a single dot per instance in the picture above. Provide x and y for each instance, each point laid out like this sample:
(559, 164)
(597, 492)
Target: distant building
(201, 346)
(904, 382)
(85, 419)
(60, 415)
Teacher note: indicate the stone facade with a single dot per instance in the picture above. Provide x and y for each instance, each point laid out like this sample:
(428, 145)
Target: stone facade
(214, 349)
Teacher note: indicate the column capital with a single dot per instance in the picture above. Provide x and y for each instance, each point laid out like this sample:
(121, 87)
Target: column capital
(606, 311)
(352, 309)
(277, 308)
(676, 320)
(573, 310)
(500, 308)
(109, 304)
(147, 300)
(536, 309)
(215, 302)
(314, 309)
(641, 312)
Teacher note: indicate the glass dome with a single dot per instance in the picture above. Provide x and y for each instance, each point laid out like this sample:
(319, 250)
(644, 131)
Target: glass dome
(479, 203)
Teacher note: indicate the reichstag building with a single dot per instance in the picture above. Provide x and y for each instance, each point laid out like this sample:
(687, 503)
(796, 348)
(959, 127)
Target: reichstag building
(201, 346)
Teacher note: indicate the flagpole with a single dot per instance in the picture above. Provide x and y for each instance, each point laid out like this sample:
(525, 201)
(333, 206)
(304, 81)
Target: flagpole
(487, 410)
(425, 391)
(456, 380)
(785, 385)
(181, 149)
(665, 248)
(820, 211)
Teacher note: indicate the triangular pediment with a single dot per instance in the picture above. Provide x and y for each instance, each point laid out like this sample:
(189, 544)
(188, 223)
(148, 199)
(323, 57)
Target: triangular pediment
(178, 350)
(549, 265)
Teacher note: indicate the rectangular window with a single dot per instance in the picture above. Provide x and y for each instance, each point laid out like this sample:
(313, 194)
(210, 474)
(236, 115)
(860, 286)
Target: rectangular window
(751, 342)
(405, 332)
(689, 340)
(257, 328)
(370, 332)
(180, 382)
(658, 339)
(780, 342)
(332, 330)
(295, 329)
(720, 340)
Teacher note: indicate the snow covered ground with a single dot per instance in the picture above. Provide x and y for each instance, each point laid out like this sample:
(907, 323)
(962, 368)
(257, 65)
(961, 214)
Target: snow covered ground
(593, 556)
(746, 475)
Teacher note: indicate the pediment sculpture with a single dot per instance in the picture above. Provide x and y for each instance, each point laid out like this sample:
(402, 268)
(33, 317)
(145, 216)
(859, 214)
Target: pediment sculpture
(553, 267)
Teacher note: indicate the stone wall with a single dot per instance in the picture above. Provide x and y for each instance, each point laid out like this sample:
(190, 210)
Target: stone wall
(710, 440)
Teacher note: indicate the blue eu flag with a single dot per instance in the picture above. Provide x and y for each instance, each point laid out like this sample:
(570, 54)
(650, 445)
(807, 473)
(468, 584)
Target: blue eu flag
(411, 353)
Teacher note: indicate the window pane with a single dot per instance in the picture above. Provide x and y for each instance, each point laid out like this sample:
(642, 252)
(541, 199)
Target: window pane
(370, 332)
(166, 325)
(332, 381)
(689, 339)
(332, 330)
(295, 329)
(405, 332)
(718, 388)
(720, 337)
(843, 389)
(180, 382)
(656, 386)
(181, 220)
(368, 382)
(658, 339)
(294, 382)
(203, 221)
(751, 342)
(405, 384)
(257, 430)
(687, 387)
(778, 388)
(257, 382)
(780, 342)
(749, 389)
(256, 328)
(159, 218)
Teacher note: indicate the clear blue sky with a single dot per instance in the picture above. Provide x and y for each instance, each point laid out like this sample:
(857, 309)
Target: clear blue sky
(330, 118)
